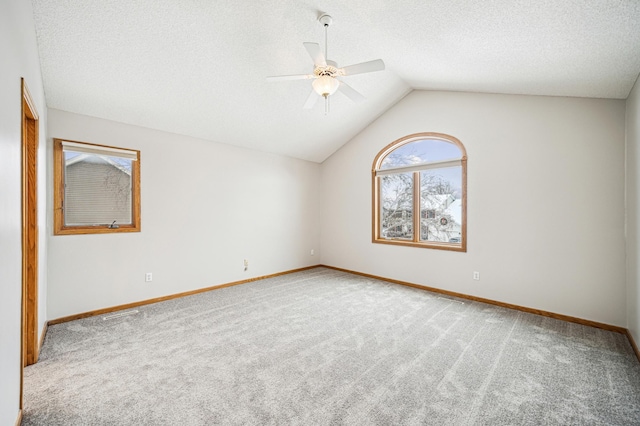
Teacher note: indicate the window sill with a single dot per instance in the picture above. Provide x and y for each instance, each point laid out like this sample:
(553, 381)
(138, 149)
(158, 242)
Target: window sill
(102, 229)
(429, 245)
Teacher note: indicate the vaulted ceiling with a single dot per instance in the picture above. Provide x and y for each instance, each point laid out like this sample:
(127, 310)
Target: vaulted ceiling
(198, 67)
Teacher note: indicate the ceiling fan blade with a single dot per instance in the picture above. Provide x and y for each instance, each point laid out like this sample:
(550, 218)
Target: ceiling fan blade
(291, 77)
(316, 54)
(371, 66)
(311, 100)
(351, 93)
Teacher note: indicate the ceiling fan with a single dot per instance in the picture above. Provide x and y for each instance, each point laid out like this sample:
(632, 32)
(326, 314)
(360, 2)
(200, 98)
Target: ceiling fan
(326, 76)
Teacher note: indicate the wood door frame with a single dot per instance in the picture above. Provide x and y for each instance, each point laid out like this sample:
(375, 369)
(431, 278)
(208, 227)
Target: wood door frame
(29, 212)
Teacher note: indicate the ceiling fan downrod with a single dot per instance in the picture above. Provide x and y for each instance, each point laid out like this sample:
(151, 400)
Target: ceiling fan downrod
(326, 20)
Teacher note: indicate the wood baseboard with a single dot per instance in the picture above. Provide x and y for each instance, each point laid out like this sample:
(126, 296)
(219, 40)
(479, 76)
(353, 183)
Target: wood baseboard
(19, 419)
(633, 345)
(170, 297)
(567, 318)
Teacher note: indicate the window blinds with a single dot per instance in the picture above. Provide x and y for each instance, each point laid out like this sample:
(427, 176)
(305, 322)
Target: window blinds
(99, 150)
(423, 166)
(97, 185)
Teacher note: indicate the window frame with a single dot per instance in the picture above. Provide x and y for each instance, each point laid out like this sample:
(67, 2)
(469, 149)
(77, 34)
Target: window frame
(376, 195)
(59, 227)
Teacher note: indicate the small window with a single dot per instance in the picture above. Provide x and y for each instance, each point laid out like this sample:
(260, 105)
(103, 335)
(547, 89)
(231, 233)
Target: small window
(96, 188)
(419, 192)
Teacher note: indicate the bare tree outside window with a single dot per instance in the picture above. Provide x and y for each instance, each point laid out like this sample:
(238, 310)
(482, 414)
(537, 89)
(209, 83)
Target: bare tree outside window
(397, 205)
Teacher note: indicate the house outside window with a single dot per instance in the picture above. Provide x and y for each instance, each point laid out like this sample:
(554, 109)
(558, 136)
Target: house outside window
(97, 188)
(419, 183)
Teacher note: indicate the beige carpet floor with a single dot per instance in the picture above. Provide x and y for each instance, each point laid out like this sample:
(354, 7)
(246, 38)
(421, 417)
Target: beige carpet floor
(322, 347)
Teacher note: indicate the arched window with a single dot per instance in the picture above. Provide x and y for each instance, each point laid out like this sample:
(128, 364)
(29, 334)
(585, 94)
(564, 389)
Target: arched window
(420, 192)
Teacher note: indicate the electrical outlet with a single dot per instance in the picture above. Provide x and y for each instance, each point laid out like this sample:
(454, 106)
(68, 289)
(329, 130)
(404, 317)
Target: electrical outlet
(148, 277)
(476, 275)
(313, 252)
(246, 264)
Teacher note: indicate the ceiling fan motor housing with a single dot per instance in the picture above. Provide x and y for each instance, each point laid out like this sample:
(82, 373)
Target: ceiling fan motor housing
(331, 70)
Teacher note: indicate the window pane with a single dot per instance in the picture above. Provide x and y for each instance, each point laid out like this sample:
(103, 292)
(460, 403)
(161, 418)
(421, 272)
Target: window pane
(97, 189)
(421, 151)
(396, 206)
(441, 205)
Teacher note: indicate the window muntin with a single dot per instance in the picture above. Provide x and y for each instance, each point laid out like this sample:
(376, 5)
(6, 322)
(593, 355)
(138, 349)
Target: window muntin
(97, 188)
(420, 184)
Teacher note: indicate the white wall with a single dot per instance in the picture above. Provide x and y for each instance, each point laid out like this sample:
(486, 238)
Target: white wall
(633, 212)
(545, 201)
(18, 58)
(205, 207)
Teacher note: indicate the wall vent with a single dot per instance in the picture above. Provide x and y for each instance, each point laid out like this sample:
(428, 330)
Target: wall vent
(120, 314)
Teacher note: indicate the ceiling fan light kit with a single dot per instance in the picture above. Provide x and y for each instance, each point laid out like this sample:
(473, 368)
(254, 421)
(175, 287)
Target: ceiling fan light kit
(327, 75)
(325, 85)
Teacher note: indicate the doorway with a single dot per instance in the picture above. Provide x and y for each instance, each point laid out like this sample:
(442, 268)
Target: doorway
(29, 228)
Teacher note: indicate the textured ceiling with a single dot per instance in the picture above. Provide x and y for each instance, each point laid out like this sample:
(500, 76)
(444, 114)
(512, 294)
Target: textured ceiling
(198, 67)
